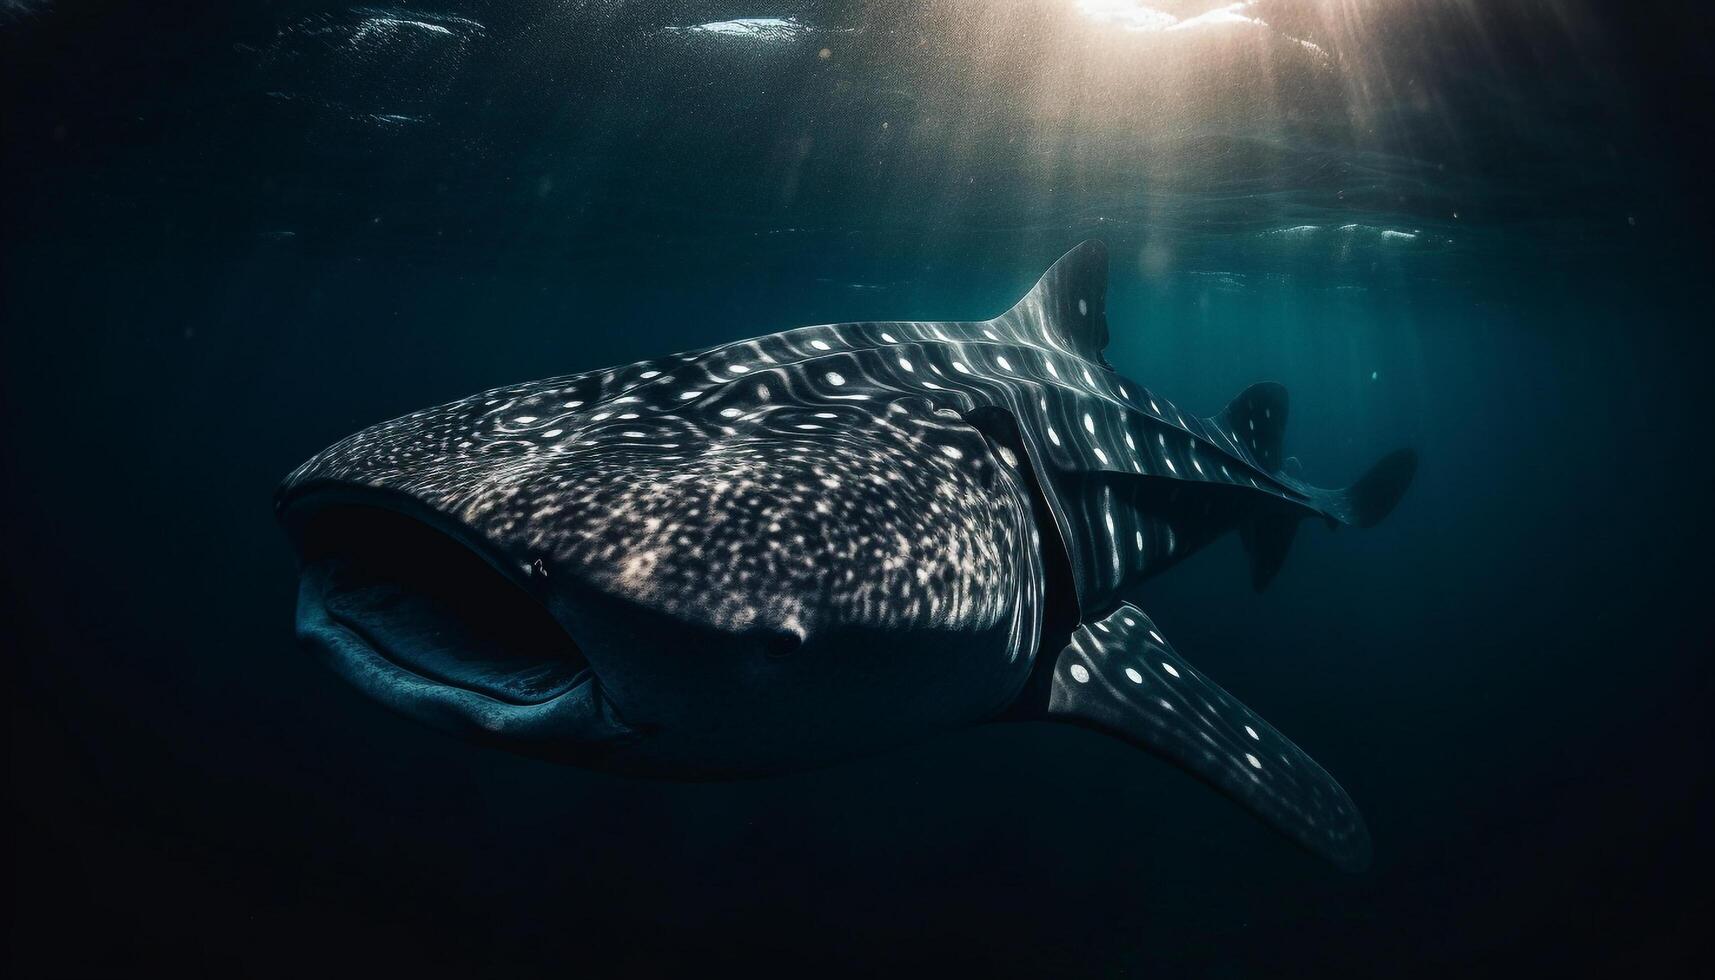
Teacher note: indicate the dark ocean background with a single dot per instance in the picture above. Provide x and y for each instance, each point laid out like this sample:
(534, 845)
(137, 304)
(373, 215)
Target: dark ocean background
(234, 232)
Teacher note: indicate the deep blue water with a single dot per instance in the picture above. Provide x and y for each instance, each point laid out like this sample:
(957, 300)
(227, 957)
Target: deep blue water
(234, 234)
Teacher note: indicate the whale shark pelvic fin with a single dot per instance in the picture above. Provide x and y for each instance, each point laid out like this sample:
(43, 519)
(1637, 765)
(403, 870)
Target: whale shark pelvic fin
(1119, 677)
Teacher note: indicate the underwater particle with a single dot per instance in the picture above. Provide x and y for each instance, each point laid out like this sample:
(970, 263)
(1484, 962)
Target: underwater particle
(824, 54)
(1373, 375)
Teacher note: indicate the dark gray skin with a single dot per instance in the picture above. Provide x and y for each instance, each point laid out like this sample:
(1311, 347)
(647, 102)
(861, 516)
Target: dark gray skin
(786, 551)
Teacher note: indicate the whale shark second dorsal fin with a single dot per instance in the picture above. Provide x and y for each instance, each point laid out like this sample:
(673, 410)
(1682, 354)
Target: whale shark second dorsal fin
(1068, 307)
(1256, 418)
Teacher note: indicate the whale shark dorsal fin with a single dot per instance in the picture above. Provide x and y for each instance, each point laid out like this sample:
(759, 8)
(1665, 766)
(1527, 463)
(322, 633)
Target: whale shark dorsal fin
(1068, 307)
(1118, 676)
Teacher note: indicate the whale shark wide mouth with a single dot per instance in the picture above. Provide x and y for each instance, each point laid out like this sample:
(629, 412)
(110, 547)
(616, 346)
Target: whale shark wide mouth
(419, 619)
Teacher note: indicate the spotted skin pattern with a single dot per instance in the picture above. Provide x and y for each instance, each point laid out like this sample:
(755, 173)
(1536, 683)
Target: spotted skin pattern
(1119, 676)
(829, 479)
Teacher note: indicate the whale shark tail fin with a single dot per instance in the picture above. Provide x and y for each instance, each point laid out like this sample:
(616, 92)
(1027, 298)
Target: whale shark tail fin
(1255, 422)
(1373, 497)
(1068, 307)
(1267, 534)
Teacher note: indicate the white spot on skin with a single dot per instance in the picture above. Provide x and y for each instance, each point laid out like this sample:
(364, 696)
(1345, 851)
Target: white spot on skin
(1079, 674)
(906, 364)
(819, 345)
(525, 419)
(1255, 762)
(960, 367)
(1089, 424)
(739, 369)
(1133, 675)
(1083, 307)
(888, 338)
(686, 396)
(1053, 437)
(649, 374)
(1157, 637)
(1005, 365)
(952, 453)
(731, 413)
(835, 378)
(1252, 733)
(1170, 668)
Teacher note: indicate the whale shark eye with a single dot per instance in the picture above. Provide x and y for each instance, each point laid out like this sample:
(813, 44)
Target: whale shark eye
(777, 646)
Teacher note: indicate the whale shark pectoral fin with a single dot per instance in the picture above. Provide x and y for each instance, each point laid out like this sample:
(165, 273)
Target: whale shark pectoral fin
(1120, 677)
(1068, 306)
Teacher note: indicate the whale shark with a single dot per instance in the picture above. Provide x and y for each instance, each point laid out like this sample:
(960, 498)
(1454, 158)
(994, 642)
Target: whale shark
(781, 552)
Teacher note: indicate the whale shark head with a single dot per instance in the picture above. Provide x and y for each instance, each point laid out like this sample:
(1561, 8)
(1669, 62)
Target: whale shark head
(637, 571)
